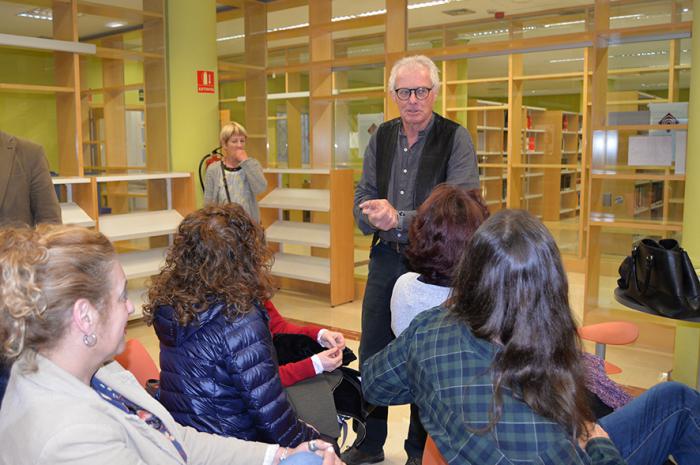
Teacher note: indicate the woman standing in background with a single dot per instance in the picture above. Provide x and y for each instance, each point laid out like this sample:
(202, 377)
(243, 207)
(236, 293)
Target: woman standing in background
(236, 178)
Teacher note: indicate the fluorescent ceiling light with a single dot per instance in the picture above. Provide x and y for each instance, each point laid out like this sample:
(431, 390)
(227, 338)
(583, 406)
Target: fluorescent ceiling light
(45, 14)
(415, 6)
(564, 23)
(565, 60)
(336, 19)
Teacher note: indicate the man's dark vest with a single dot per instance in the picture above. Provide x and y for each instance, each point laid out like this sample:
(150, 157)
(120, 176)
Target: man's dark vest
(432, 168)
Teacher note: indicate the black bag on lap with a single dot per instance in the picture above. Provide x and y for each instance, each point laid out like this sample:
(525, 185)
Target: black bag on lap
(347, 391)
(658, 277)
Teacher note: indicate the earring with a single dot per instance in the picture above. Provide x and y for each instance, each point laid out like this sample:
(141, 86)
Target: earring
(90, 340)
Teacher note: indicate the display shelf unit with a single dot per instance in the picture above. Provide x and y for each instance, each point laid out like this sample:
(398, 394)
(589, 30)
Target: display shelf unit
(325, 236)
(78, 200)
(486, 123)
(138, 258)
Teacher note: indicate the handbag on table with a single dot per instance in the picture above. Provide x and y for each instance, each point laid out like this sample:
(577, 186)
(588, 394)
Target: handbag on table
(659, 278)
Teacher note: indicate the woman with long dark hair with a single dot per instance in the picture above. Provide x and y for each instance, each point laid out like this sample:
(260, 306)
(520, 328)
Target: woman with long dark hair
(498, 376)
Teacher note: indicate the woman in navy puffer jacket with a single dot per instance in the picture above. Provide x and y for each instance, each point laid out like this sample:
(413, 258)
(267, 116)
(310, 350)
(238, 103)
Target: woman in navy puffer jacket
(218, 371)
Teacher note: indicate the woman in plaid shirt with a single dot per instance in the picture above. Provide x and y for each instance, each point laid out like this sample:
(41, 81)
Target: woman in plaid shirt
(497, 374)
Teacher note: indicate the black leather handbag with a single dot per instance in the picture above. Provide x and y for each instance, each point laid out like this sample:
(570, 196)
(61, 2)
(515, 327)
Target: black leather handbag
(658, 277)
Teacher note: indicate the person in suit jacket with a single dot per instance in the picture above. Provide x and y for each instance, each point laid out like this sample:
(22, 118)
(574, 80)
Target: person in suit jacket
(27, 194)
(63, 318)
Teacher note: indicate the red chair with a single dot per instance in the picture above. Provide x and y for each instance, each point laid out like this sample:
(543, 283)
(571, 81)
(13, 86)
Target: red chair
(138, 361)
(431, 454)
(610, 332)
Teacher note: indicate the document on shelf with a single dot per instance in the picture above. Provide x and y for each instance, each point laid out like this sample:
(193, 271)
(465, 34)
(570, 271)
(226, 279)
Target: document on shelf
(680, 151)
(650, 150)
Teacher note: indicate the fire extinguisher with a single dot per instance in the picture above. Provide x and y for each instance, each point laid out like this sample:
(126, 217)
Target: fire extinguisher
(211, 157)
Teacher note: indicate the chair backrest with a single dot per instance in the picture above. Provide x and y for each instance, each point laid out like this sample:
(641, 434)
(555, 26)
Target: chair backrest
(431, 454)
(138, 361)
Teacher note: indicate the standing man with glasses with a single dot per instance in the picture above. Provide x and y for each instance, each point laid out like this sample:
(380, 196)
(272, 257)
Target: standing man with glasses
(405, 159)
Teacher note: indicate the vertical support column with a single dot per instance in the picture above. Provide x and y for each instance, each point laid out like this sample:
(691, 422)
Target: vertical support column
(255, 20)
(193, 116)
(395, 45)
(583, 229)
(691, 220)
(599, 90)
(156, 89)
(67, 69)
(320, 83)
(515, 136)
(294, 143)
(115, 123)
(156, 111)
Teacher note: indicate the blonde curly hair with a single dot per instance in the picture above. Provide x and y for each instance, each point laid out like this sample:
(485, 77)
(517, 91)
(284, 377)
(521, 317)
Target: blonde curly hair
(43, 271)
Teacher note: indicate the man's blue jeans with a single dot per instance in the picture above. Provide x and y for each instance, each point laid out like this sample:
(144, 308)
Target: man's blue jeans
(663, 421)
(385, 267)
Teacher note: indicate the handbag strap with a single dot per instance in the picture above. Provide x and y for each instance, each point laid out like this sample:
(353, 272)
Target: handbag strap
(650, 264)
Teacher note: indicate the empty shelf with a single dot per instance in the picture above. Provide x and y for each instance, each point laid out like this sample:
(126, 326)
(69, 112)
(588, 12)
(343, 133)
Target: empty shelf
(142, 176)
(297, 170)
(292, 232)
(69, 180)
(142, 264)
(71, 213)
(298, 199)
(314, 269)
(139, 224)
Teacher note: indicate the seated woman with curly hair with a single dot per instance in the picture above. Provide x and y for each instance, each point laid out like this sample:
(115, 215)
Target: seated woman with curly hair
(218, 372)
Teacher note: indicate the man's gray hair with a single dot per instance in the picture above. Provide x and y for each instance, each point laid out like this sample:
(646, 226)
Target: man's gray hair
(415, 61)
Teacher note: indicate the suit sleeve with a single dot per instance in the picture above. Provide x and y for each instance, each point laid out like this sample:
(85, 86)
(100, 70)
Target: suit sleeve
(462, 169)
(43, 202)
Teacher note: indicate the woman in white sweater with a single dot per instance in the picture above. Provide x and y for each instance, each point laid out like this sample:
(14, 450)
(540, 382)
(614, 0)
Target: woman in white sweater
(63, 316)
(441, 228)
(437, 236)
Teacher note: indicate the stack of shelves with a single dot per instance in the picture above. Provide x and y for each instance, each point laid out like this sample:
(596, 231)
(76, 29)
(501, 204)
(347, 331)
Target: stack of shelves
(78, 200)
(325, 242)
(486, 122)
(536, 150)
(571, 157)
(79, 206)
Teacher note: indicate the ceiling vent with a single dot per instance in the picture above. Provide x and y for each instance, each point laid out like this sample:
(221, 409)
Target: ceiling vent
(459, 12)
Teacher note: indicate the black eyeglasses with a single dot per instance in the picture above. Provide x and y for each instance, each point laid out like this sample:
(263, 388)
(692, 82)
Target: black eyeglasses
(421, 93)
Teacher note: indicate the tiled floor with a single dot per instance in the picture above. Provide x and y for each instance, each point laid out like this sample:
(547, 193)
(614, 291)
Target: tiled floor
(639, 370)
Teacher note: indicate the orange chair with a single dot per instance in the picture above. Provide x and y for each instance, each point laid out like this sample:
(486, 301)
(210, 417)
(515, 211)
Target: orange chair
(610, 332)
(431, 454)
(138, 361)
